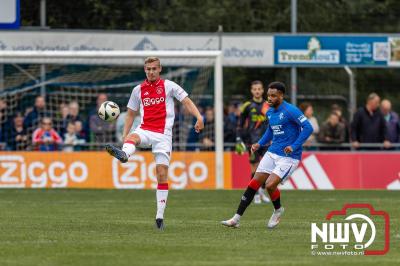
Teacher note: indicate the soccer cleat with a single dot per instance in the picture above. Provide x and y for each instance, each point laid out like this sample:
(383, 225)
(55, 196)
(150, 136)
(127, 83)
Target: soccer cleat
(257, 199)
(117, 153)
(231, 223)
(275, 218)
(160, 224)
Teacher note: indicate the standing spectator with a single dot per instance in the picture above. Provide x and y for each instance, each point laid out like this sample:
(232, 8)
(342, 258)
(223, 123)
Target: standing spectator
(80, 133)
(101, 130)
(337, 109)
(193, 138)
(332, 131)
(369, 125)
(392, 121)
(120, 125)
(39, 111)
(207, 135)
(72, 116)
(16, 135)
(4, 117)
(71, 140)
(231, 120)
(64, 111)
(308, 111)
(45, 138)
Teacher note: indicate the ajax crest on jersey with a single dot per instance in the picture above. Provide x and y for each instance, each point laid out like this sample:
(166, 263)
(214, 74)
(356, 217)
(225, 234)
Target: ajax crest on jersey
(109, 111)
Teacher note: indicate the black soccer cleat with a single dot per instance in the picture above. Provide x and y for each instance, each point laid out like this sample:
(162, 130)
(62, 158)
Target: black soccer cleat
(160, 224)
(117, 153)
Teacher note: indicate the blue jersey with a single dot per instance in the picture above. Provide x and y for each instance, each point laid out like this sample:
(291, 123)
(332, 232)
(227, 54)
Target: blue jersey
(287, 127)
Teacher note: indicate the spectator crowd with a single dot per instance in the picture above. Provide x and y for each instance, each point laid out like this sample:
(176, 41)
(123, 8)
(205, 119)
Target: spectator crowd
(68, 130)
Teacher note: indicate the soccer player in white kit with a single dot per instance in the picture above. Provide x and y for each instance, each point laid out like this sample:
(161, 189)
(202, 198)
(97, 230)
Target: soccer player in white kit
(154, 99)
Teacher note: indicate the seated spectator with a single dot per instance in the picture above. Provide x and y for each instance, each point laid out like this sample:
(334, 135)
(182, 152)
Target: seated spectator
(392, 121)
(45, 138)
(308, 111)
(101, 130)
(208, 133)
(332, 131)
(16, 135)
(33, 117)
(71, 140)
(369, 125)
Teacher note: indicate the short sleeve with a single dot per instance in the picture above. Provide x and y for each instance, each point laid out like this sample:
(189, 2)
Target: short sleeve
(134, 100)
(177, 90)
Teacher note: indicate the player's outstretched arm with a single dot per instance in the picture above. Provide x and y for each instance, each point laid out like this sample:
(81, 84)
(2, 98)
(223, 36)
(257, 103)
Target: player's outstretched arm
(191, 107)
(130, 116)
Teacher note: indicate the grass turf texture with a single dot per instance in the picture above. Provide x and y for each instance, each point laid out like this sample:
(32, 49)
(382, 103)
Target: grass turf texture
(116, 227)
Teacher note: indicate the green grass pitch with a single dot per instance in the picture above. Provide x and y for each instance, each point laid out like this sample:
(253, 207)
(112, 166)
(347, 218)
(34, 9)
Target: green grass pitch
(115, 227)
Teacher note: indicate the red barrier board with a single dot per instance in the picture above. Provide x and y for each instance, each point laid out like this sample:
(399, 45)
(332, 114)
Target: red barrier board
(333, 170)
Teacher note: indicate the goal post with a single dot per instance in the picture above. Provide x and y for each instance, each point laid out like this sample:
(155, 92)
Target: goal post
(136, 58)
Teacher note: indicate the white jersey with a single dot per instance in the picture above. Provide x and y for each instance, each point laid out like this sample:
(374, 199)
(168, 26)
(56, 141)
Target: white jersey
(156, 104)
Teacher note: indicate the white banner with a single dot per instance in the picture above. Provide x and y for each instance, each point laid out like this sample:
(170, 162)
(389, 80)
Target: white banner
(239, 49)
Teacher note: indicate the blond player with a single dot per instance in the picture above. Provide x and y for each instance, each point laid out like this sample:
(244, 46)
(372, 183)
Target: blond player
(154, 99)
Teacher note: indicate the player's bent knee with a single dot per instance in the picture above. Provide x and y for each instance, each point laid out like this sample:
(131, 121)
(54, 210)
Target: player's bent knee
(133, 137)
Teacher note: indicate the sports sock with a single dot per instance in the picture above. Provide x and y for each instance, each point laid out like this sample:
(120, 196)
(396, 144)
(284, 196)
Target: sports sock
(162, 195)
(248, 196)
(129, 147)
(276, 198)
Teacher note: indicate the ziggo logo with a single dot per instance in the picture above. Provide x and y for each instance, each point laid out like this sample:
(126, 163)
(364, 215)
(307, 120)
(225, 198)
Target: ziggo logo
(14, 173)
(136, 172)
(152, 101)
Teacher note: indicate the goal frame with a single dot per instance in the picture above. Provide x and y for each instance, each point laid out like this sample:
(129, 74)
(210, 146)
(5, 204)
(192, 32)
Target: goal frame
(123, 58)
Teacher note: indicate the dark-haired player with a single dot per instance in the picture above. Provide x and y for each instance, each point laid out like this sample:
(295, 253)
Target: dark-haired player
(288, 129)
(252, 125)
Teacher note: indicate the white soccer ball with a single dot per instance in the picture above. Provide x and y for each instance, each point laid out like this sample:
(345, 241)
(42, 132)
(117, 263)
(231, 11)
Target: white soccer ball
(109, 111)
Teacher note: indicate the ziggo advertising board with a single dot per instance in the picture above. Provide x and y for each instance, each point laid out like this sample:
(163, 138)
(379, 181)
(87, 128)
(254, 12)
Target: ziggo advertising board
(99, 170)
(193, 170)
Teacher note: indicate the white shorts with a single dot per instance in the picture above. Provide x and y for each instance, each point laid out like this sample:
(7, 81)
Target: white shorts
(161, 144)
(279, 165)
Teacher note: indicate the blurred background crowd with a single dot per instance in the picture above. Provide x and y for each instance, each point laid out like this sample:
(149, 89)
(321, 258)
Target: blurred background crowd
(373, 126)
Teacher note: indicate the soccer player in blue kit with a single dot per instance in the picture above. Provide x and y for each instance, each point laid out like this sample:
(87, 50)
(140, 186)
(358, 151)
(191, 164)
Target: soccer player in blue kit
(288, 129)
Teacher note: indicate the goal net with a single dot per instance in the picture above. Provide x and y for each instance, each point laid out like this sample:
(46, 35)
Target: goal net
(73, 83)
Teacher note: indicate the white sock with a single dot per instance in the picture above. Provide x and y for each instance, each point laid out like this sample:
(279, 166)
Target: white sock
(162, 195)
(236, 217)
(129, 148)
